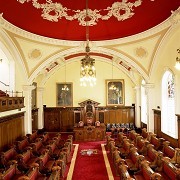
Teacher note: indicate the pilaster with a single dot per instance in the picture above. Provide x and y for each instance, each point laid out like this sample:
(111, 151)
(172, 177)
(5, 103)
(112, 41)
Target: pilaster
(150, 116)
(28, 108)
(40, 91)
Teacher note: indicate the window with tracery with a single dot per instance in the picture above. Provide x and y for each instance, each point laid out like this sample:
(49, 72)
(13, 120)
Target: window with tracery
(168, 118)
(143, 103)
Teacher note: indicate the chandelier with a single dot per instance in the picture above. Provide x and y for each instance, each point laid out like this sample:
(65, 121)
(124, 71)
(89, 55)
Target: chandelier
(177, 65)
(65, 87)
(112, 86)
(87, 71)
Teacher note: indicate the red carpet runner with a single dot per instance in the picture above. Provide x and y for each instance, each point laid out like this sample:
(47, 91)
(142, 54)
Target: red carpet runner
(90, 167)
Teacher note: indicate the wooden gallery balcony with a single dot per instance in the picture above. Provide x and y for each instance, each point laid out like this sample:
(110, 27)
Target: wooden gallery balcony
(10, 103)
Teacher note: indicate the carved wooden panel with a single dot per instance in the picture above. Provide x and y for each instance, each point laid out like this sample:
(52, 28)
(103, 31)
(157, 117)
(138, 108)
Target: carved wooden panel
(52, 120)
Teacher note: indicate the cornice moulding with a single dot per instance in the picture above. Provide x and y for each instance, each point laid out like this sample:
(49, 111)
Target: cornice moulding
(14, 29)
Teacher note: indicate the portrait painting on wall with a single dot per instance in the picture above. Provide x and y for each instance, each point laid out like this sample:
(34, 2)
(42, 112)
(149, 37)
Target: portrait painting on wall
(115, 92)
(64, 94)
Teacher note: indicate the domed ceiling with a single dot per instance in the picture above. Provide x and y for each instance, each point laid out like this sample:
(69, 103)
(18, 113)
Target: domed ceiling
(66, 19)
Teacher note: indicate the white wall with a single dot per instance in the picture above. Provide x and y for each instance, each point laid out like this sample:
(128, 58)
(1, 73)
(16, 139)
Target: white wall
(96, 93)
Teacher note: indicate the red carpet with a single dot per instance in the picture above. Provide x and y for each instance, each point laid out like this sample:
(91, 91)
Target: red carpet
(90, 167)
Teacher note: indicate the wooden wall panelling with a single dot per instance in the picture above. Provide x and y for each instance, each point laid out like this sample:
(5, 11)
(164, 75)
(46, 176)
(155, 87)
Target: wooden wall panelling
(157, 122)
(112, 116)
(11, 128)
(101, 116)
(69, 116)
(67, 120)
(77, 117)
(52, 120)
(106, 117)
(35, 119)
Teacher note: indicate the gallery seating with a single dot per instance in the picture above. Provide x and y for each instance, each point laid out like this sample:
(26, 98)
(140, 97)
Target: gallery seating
(141, 144)
(123, 172)
(117, 160)
(38, 147)
(33, 174)
(146, 172)
(8, 158)
(168, 170)
(32, 137)
(125, 149)
(153, 156)
(54, 151)
(26, 160)
(22, 145)
(33, 158)
(133, 160)
(157, 142)
(11, 173)
(46, 163)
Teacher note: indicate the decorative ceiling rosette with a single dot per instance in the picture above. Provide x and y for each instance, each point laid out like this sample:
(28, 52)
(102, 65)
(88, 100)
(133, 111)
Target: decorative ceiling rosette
(55, 11)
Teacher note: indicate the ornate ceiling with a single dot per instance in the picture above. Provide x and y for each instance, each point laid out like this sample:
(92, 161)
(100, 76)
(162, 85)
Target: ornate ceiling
(130, 32)
(108, 19)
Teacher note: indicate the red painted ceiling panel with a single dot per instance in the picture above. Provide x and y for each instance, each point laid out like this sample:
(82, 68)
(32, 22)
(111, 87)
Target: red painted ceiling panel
(147, 15)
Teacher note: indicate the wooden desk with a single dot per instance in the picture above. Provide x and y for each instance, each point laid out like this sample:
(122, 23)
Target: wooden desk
(90, 133)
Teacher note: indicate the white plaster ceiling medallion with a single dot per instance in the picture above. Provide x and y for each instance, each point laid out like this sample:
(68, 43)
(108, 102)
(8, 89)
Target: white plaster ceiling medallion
(140, 52)
(54, 11)
(35, 54)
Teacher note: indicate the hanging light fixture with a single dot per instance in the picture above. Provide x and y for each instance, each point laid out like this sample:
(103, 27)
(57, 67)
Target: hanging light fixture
(65, 87)
(177, 65)
(112, 86)
(87, 71)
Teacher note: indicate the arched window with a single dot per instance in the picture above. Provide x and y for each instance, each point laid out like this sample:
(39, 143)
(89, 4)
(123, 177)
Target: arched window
(143, 103)
(168, 118)
(7, 76)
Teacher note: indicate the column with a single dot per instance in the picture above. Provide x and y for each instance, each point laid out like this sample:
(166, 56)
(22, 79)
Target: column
(40, 91)
(137, 104)
(28, 107)
(150, 116)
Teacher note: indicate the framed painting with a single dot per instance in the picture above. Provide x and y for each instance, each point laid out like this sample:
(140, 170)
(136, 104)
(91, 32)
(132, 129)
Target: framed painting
(64, 94)
(115, 92)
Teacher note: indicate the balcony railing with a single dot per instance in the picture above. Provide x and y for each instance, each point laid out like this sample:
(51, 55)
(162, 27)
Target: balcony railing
(11, 100)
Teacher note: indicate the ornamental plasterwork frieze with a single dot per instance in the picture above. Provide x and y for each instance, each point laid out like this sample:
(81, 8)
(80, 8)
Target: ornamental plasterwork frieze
(14, 29)
(54, 11)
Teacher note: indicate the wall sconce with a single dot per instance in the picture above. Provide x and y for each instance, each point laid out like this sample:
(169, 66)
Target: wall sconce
(177, 65)
(0, 60)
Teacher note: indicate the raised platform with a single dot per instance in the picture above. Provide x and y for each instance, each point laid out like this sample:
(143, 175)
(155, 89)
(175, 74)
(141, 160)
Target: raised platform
(90, 133)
